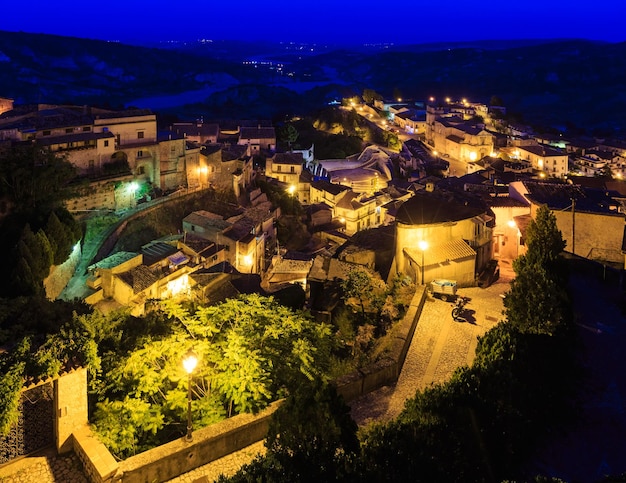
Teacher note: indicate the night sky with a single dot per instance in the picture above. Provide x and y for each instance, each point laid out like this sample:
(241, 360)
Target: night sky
(320, 21)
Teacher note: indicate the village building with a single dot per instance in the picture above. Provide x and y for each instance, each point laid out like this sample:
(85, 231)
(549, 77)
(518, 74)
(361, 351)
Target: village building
(443, 235)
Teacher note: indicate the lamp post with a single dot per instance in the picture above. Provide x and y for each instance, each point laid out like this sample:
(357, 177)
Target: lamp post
(189, 363)
(423, 245)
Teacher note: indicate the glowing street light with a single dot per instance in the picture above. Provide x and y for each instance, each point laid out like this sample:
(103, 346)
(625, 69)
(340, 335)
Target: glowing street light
(423, 246)
(190, 361)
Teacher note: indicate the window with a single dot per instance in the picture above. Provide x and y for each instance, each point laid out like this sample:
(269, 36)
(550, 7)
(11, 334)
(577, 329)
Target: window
(86, 128)
(140, 135)
(69, 130)
(106, 143)
(141, 170)
(278, 168)
(45, 133)
(140, 154)
(293, 169)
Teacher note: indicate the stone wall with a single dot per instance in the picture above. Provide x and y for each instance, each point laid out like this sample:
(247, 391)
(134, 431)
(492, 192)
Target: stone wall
(98, 464)
(60, 275)
(70, 399)
(210, 443)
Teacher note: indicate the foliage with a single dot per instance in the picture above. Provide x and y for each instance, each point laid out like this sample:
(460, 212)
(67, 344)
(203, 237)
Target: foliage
(250, 350)
(60, 237)
(34, 179)
(311, 438)
(72, 346)
(12, 366)
(118, 166)
(288, 134)
(370, 95)
(366, 290)
(536, 302)
(34, 258)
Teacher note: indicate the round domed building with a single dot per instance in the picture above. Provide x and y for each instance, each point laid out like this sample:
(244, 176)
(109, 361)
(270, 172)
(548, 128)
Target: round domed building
(443, 235)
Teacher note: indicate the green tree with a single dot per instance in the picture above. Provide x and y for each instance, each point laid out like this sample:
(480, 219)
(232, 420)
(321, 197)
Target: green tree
(544, 239)
(251, 350)
(312, 435)
(536, 302)
(287, 133)
(61, 239)
(361, 287)
(35, 179)
(370, 95)
(34, 258)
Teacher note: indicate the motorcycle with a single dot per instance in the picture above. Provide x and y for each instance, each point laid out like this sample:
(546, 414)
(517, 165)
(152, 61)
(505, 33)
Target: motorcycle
(458, 309)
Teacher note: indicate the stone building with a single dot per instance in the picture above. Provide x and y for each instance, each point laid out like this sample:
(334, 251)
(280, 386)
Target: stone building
(441, 234)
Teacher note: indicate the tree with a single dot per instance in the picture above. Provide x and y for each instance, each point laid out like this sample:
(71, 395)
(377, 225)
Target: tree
(35, 179)
(251, 350)
(61, 240)
(536, 302)
(543, 239)
(361, 286)
(287, 133)
(496, 101)
(370, 95)
(312, 435)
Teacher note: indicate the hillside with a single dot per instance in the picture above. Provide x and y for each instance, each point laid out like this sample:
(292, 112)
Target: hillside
(568, 84)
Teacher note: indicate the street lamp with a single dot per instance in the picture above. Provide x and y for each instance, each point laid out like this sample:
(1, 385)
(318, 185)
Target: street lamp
(189, 363)
(423, 245)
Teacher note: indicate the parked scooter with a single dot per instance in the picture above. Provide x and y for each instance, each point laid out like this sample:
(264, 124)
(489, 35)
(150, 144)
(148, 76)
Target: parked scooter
(458, 309)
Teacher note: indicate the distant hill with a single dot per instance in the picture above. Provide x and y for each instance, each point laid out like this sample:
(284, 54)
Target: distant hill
(572, 84)
(53, 69)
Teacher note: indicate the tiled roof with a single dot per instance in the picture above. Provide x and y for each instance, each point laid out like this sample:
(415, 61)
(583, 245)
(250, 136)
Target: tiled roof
(332, 188)
(558, 196)
(257, 133)
(139, 278)
(288, 158)
(541, 150)
(290, 266)
(442, 252)
(439, 206)
(206, 219)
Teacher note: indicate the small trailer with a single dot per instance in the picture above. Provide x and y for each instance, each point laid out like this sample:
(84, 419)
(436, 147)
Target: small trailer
(443, 289)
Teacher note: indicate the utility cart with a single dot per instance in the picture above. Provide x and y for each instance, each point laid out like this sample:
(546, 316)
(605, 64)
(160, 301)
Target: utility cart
(443, 289)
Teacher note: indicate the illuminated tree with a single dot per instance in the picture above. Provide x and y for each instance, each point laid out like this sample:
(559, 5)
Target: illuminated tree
(251, 351)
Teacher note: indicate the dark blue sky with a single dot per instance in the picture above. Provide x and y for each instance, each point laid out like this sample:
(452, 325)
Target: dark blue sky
(320, 21)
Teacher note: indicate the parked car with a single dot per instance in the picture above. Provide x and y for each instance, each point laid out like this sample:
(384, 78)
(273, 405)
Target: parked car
(490, 274)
